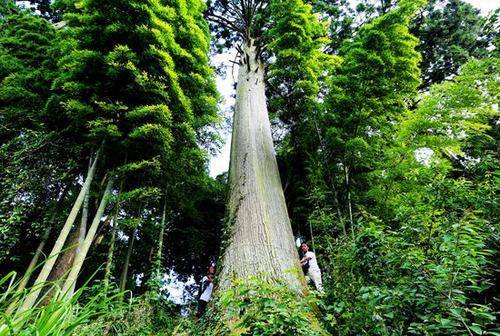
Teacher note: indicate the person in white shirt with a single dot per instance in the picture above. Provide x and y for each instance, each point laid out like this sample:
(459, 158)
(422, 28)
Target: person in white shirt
(205, 291)
(313, 271)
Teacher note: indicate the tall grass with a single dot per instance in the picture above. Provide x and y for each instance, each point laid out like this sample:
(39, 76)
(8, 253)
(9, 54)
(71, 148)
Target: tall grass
(56, 316)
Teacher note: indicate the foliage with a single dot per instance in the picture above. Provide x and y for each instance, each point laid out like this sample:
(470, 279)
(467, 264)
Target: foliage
(25, 72)
(255, 307)
(449, 31)
(141, 317)
(423, 278)
(35, 161)
(365, 98)
(449, 36)
(296, 79)
(57, 317)
(422, 259)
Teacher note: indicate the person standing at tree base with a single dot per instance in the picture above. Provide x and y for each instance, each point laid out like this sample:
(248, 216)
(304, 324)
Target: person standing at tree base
(205, 291)
(313, 271)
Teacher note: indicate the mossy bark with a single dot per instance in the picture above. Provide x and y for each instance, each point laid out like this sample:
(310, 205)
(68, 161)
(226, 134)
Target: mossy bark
(261, 241)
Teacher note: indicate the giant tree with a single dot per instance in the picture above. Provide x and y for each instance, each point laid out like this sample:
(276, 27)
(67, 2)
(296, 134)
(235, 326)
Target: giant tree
(259, 236)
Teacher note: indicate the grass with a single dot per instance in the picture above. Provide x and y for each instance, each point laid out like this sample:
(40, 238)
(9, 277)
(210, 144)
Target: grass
(56, 316)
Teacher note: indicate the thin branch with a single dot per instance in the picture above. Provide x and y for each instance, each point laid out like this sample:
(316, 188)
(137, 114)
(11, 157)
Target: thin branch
(223, 21)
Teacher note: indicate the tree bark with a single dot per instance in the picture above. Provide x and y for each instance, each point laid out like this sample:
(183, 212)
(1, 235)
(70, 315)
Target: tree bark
(160, 239)
(27, 275)
(83, 224)
(82, 230)
(349, 202)
(111, 250)
(61, 268)
(261, 241)
(36, 256)
(85, 246)
(124, 274)
(61, 239)
(65, 261)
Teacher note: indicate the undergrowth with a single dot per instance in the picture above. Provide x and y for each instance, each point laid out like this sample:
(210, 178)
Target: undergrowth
(57, 317)
(254, 307)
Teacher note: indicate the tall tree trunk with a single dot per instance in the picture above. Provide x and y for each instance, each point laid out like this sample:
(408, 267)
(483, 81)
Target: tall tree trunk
(349, 202)
(61, 268)
(83, 223)
(31, 267)
(36, 256)
(157, 259)
(124, 274)
(261, 242)
(160, 239)
(84, 248)
(111, 250)
(82, 230)
(61, 239)
(330, 177)
(65, 261)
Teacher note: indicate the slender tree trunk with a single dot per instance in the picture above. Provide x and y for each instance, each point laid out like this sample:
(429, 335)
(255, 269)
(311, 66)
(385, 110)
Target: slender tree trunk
(65, 261)
(150, 273)
(111, 250)
(82, 230)
(157, 259)
(36, 256)
(61, 268)
(34, 261)
(124, 274)
(330, 177)
(49, 263)
(84, 248)
(160, 239)
(261, 242)
(349, 202)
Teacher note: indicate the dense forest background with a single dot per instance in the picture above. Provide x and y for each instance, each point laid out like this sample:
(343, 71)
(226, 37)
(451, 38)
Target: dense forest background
(385, 124)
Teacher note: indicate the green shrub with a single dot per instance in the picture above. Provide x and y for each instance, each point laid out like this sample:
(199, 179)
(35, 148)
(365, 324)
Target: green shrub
(418, 279)
(254, 307)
